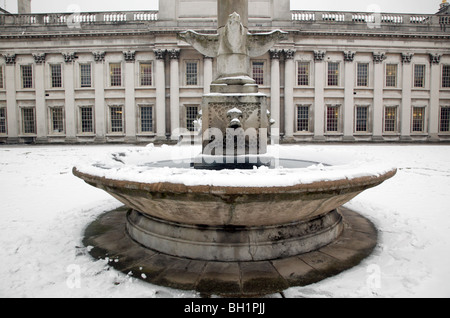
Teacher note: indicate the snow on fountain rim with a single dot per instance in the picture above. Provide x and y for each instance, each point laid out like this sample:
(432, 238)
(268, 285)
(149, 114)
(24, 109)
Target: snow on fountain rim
(130, 168)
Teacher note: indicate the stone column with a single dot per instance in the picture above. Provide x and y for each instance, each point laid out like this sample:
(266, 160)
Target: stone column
(275, 87)
(289, 80)
(378, 75)
(405, 110)
(11, 107)
(99, 86)
(160, 94)
(69, 90)
(174, 56)
(435, 71)
(41, 109)
(319, 100)
(349, 84)
(130, 107)
(207, 73)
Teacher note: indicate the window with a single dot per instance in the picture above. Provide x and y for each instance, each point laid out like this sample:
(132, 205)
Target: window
(333, 74)
(27, 76)
(87, 119)
(146, 74)
(191, 73)
(28, 120)
(258, 72)
(444, 122)
(3, 123)
(332, 118)
(446, 75)
(390, 119)
(303, 74)
(362, 119)
(115, 71)
(191, 116)
(362, 75)
(56, 76)
(391, 75)
(116, 119)
(146, 118)
(1, 77)
(85, 75)
(56, 120)
(418, 119)
(419, 75)
(302, 118)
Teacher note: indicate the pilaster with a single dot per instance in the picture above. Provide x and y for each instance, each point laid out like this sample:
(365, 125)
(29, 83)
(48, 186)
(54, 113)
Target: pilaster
(174, 56)
(289, 81)
(405, 111)
(378, 84)
(69, 86)
(433, 128)
(130, 107)
(99, 86)
(319, 85)
(160, 84)
(349, 106)
(275, 86)
(41, 109)
(11, 108)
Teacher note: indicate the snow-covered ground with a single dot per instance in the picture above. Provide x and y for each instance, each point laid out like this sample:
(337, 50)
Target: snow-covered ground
(44, 210)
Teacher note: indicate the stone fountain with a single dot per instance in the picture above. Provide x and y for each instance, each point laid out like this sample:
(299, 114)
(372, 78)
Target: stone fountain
(237, 237)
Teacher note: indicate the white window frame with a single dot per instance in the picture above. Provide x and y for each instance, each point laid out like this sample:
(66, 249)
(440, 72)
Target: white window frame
(263, 71)
(440, 119)
(424, 120)
(5, 118)
(80, 120)
(186, 62)
(368, 119)
(51, 120)
(396, 119)
(22, 86)
(110, 75)
(309, 119)
(50, 77)
(386, 75)
(339, 119)
(22, 121)
(110, 119)
(141, 132)
(80, 75)
(140, 78)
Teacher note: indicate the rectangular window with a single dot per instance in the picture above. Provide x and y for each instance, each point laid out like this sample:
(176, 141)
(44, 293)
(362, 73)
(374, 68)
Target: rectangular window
(3, 123)
(362, 75)
(56, 75)
(57, 120)
(303, 74)
(362, 119)
(87, 119)
(391, 75)
(419, 75)
(191, 116)
(332, 118)
(146, 118)
(390, 119)
(191, 73)
(85, 75)
(444, 122)
(446, 76)
(116, 119)
(1, 77)
(115, 71)
(418, 119)
(28, 120)
(146, 74)
(27, 76)
(302, 118)
(333, 74)
(258, 72)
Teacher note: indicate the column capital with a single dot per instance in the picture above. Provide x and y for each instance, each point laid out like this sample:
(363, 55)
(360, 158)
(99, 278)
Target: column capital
(160, 54)
(99, 56)
(435, 58)
(319, 55)
(275, 54)
(70, 57)
(379, 57)
(174, 54)
(407, 57)
(39, 58)
(349, 56)
(10, 58)
(289, 54)
(129, 56)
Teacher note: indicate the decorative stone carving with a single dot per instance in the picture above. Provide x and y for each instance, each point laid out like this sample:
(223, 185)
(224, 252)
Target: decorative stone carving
(349, 56)
(435, 58)
(70, 57)
(289, 54)
(407, 57)
(129, 56)
(160, 54)
(319, 56)
(174, 54)
(379, 57)
(275, 54)
(99, 56)
(10, 58)
(39, 58)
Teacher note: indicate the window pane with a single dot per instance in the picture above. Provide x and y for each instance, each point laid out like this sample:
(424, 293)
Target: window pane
(56, 75)
(3, 129)
(146, 119)
(116, 119)
(191, 73)
(191, 116)
(146, 74)
(446, 76)
(302, 118)
(418, 119)
(258, 72)
(57, 120)
(27, 76)
(333, 74)
(28, 122)
(445, 119)
(1, 77)
(391, 75)
(362, 74)
(85, 75)
(115, 74)
(87, 120)
(362, 118)
(332, 118)
(419, 75)
(390, 119)
(303, 73)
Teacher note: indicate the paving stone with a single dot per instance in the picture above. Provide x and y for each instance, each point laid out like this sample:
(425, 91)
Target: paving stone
(220, 278)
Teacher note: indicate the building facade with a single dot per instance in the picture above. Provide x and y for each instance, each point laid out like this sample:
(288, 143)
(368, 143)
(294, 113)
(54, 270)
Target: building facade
(125, 77)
